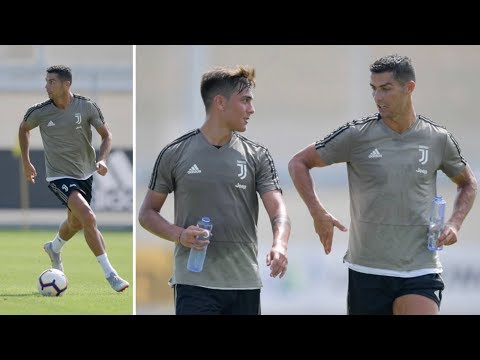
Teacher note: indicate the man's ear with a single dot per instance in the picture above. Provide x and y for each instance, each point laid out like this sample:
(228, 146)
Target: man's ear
(410, 86)
(219, 102)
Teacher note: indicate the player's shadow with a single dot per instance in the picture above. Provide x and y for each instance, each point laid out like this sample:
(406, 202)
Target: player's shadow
(20, 295)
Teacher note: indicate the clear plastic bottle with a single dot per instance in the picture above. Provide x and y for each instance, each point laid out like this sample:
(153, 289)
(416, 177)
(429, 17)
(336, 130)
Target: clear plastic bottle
(196, 258)
(437, 222)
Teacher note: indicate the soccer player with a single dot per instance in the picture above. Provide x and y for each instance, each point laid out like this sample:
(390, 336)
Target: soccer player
(65, 122)
(392, 160)
(216, 172)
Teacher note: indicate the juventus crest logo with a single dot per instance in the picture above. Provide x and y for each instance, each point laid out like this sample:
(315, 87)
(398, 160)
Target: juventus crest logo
(243, 168)
(79, 118)
(423, 154)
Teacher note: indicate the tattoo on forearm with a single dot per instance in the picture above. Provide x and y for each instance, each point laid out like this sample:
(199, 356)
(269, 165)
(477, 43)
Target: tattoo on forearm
(280, 221)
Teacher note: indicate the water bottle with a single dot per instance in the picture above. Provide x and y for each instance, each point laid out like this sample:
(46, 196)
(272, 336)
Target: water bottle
(437, 221)
(197, 257)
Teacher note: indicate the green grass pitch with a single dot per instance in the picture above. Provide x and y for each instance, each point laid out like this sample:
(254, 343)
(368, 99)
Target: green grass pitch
(22, 259)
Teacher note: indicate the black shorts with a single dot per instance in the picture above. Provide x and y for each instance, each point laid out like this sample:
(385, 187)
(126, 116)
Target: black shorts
(374, 294)
(196, 300)
(62, 188)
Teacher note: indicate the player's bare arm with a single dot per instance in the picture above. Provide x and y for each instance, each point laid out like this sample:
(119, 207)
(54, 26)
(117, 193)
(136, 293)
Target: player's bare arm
(24, 139)
(466, 192)
(105, 148)
(299, 168)
(277, 256)
(151, 220)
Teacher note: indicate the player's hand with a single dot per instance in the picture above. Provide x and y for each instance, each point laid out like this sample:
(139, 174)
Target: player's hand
(102, 167)
(189, 237)
(30, 172)
(278, 261)
(448, 235)
(324, 225)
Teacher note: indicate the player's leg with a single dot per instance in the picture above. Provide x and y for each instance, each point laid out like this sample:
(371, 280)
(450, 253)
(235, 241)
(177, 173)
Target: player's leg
(420, 295)
(82, 211)
(68, 228)
(414, 304)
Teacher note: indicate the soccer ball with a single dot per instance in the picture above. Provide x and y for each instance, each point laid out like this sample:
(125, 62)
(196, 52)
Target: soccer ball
(52, 282)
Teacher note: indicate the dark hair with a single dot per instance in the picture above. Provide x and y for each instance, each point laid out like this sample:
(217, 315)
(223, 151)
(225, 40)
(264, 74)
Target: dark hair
(400, 66)
(224, 81)
(63, 72)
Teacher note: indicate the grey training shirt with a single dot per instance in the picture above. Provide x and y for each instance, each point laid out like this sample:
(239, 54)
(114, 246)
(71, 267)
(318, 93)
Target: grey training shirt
(67, 136)
(221, 183)
(392, 181)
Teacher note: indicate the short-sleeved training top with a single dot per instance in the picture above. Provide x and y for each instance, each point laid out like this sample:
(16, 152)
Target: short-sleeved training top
(221, 183)
(392, 182)
(67, 136)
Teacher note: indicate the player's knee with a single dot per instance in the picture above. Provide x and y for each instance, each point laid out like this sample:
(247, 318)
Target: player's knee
(90, 220)
(74, 224)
